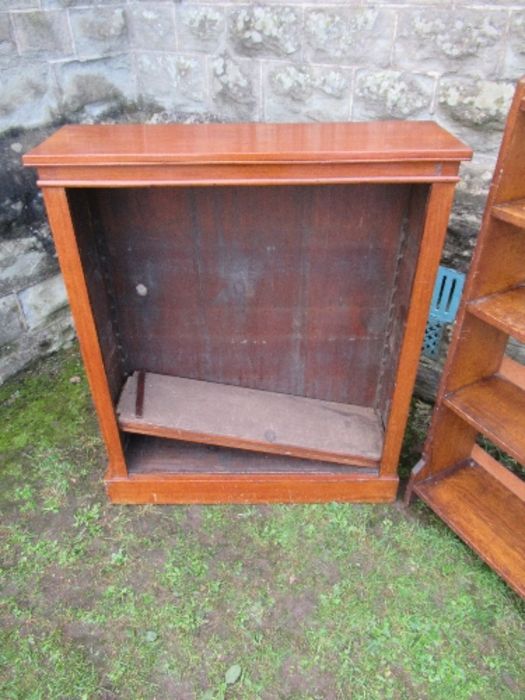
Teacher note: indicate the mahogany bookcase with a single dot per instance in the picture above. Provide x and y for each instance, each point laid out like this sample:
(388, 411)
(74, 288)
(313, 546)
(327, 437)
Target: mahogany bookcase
(250, 299)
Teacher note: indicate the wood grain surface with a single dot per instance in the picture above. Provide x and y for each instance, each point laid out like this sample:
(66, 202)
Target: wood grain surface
(153, 455)
(496, 408)
(505, 310)
(285, 270)
(282, 289)
(511, 212)
(482, 390)
(231, 416)
(252, 488)
(249, 142)
(485, 514)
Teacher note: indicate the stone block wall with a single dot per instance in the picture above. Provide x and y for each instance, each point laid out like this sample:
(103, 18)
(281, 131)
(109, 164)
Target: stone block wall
(454, 61)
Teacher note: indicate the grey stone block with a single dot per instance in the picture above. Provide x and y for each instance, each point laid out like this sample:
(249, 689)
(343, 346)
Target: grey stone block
(471, 194)
(41, 301)
(446, 40)
(200, 27)
(505, 3)
(28, 96)
(307, 93)
(265, 30)
(11, 325)
(514, 66)
(173, 80)
(26, 348)
(234, 87)
(152, 26)
(475, 110)
(78, 3)
(19, 4)
(43, 33)
(99, 30)
(516, 350)
(390, 94)
(7, 42)
(360, 35)
(95, 85)
(22, 263)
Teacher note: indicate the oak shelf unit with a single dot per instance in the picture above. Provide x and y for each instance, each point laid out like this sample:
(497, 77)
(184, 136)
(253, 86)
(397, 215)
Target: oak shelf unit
(250, 299)
(482, 391)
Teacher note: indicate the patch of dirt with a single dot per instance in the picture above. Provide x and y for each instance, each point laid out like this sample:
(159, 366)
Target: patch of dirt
(215, 624)
(293, 611)
(59, 590)
(91, 638)
(149, 563)
(169, 687)
(193, 519)
(406, 680)
(53, 526)
(294, 682)
(512, 684)
(366, 564)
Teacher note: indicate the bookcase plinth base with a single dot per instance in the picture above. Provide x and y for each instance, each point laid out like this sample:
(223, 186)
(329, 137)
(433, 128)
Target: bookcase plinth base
(207, 489)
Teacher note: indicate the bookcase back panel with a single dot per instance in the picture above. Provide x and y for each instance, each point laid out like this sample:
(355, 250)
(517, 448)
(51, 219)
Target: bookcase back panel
(285, 289)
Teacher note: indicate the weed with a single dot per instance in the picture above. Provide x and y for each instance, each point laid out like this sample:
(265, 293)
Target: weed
(87, 520)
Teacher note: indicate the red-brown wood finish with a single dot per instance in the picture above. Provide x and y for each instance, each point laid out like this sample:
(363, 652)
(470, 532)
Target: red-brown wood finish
(283, 260)
(59, 215)
(139, 144)
(278, 303)
(263, 421)
(437, 214)
(482, 391)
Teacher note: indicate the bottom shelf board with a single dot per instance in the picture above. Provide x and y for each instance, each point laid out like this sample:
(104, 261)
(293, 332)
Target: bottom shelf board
(150, 455)
(250, 419)
(485, 514)
(173, 472)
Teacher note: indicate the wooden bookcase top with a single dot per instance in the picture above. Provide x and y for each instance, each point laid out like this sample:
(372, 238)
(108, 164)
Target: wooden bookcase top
(140, 144)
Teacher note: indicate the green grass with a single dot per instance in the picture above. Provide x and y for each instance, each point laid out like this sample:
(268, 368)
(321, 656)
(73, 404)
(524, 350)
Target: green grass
(299, 602)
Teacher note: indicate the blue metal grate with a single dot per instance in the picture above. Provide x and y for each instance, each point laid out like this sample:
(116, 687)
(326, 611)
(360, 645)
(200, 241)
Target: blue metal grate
(443, 309)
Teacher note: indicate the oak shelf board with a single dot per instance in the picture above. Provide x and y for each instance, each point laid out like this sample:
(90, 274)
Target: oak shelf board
(511, 481)
(496, 408)
(511, 212)
(505, 311)
(250, 419)
(484, 513)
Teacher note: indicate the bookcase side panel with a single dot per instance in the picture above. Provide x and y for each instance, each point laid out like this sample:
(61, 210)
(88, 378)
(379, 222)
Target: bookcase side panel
(62, 227)
(436, 216)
